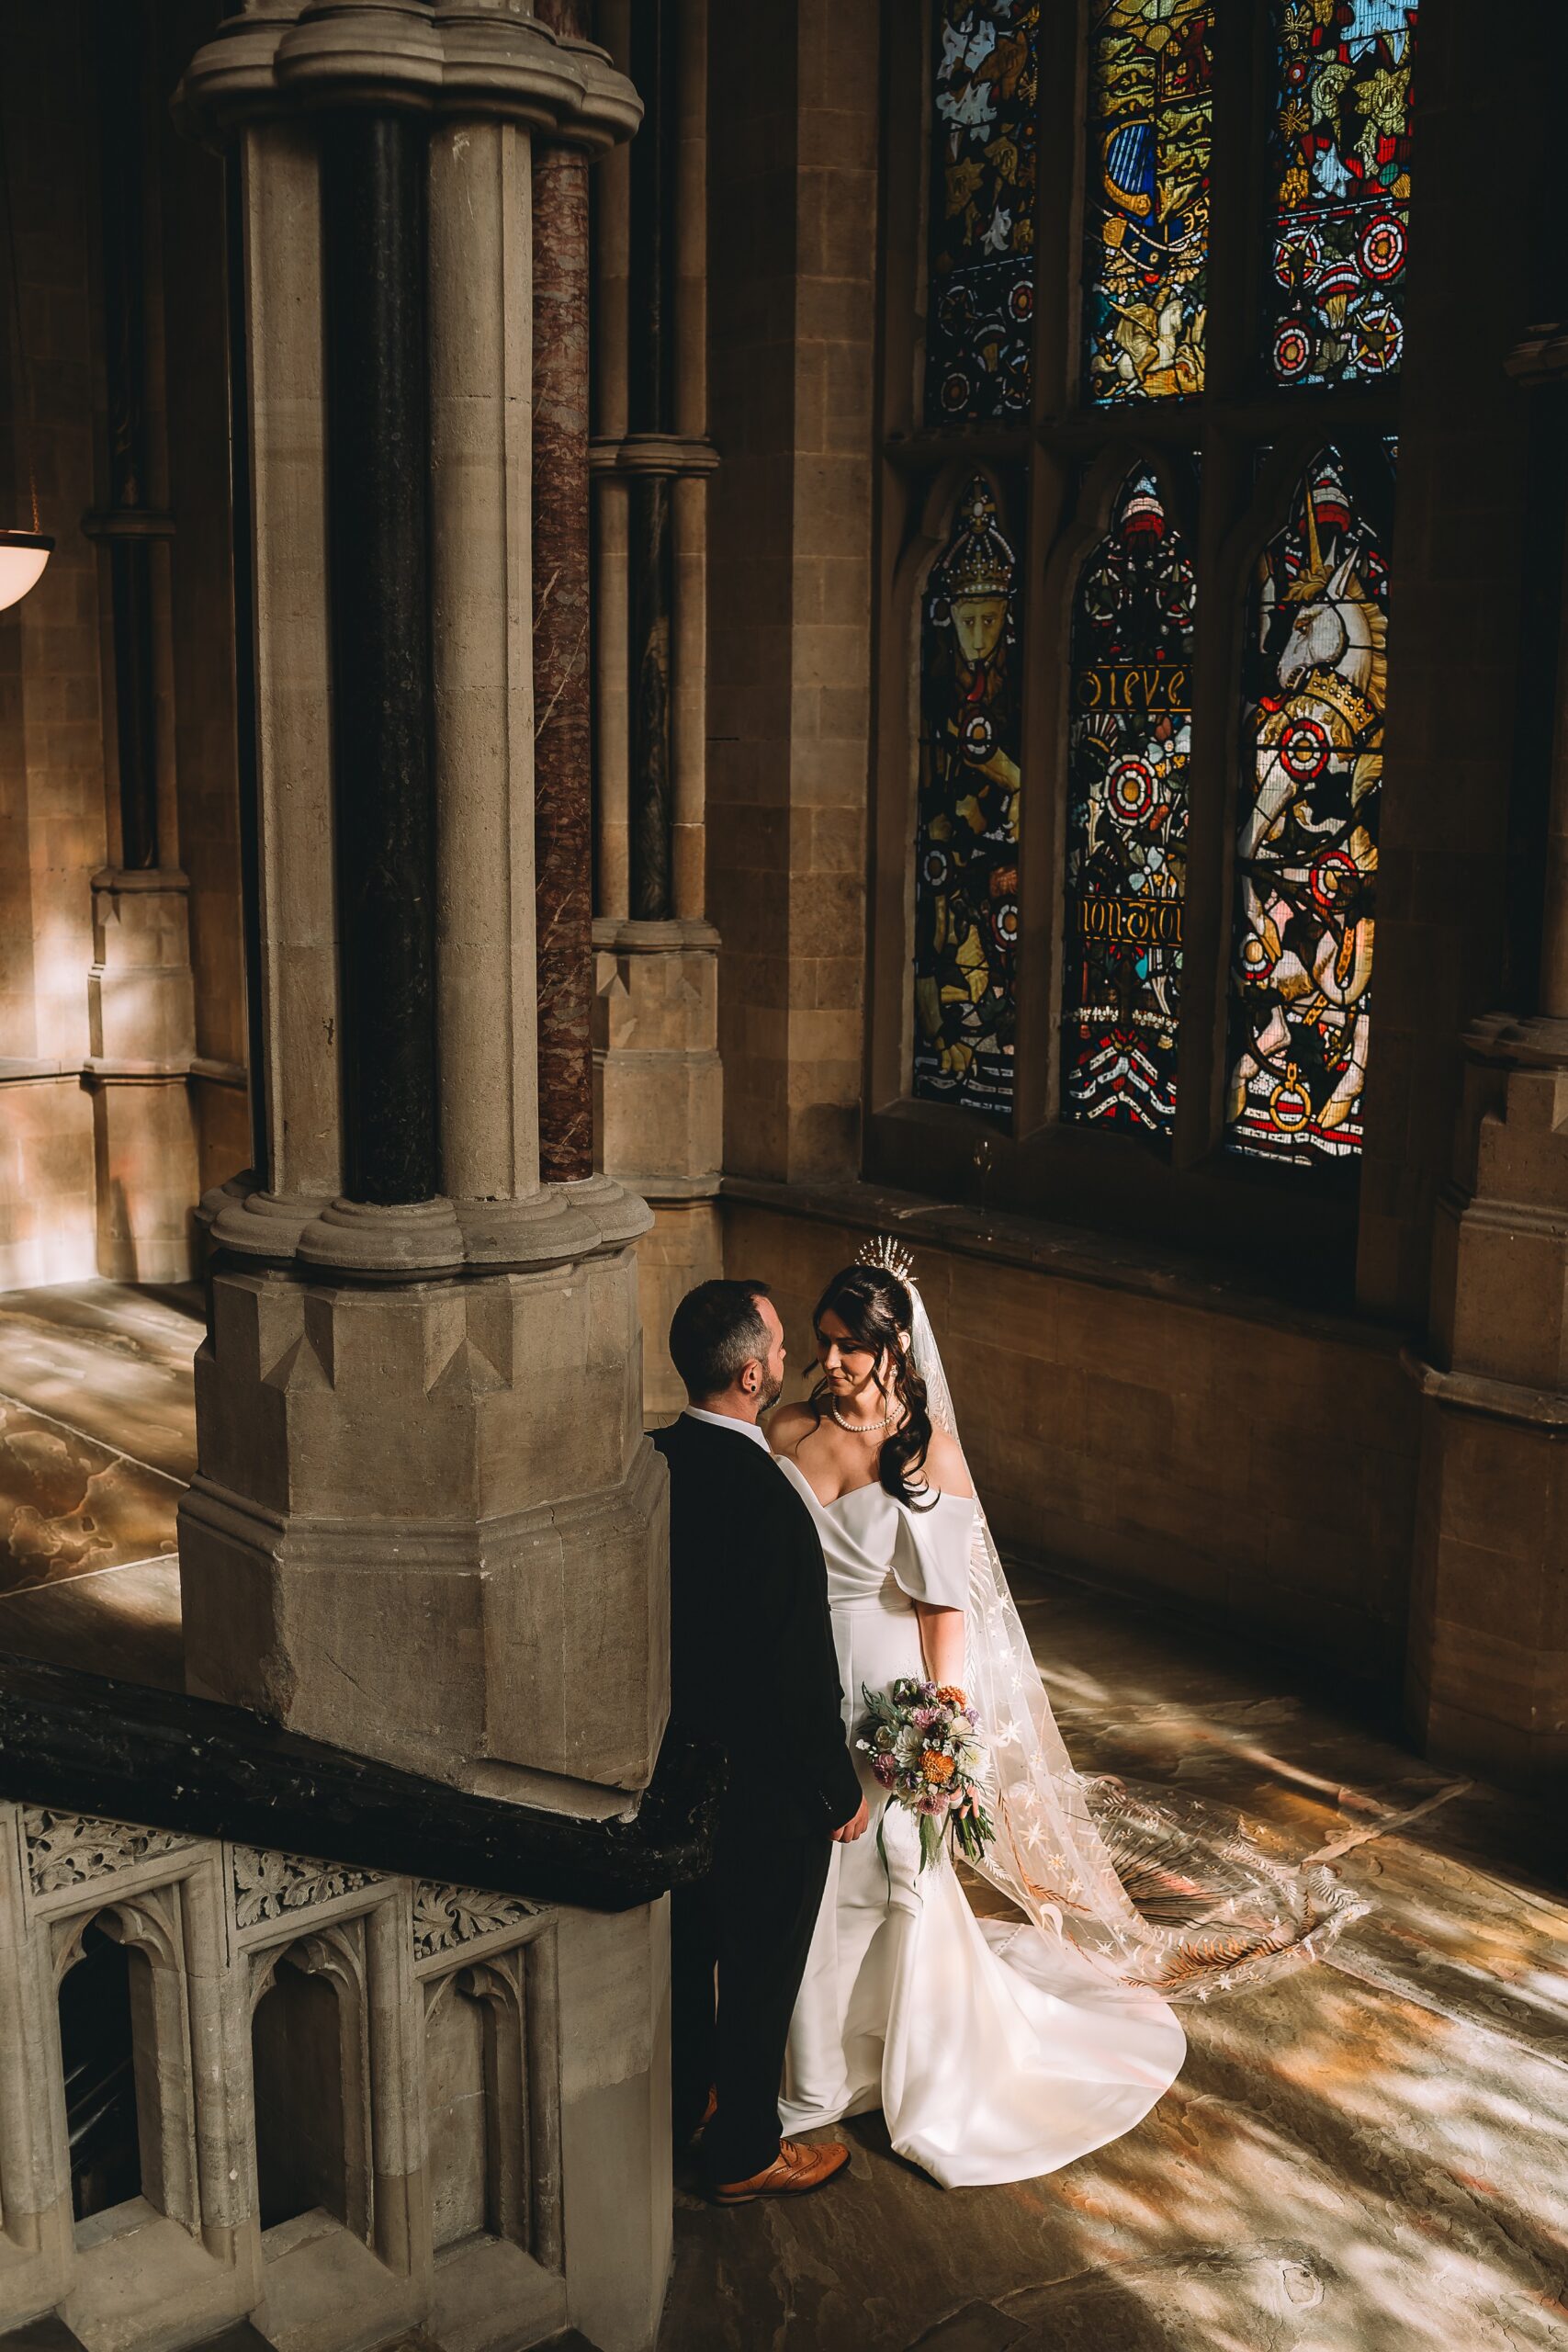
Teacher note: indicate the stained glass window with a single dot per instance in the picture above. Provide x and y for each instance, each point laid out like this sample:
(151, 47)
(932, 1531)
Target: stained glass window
(981, 298)
(1130, 736)
(1147, 214)
(966, 851)
(1342, 153)
(1306, 852)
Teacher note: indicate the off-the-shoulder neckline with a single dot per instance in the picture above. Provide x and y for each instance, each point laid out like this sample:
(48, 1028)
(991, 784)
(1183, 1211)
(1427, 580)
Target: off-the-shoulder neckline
(866, 1486)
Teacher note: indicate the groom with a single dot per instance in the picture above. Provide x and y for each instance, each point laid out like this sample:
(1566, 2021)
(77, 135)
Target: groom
(752, 1665)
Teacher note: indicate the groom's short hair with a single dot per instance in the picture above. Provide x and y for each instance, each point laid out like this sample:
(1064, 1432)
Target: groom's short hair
(716, 1332)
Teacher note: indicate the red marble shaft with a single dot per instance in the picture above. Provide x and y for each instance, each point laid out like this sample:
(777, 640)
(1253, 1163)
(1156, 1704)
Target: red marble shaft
(562, 652)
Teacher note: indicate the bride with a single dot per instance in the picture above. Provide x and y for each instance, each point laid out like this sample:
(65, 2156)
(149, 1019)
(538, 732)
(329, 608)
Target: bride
(997, 2048)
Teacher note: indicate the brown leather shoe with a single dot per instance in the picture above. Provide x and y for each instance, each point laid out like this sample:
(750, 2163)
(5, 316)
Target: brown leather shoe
(796, 2171)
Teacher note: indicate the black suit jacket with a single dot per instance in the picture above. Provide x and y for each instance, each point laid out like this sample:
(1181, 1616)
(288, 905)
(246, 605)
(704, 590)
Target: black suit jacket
(751, 1657)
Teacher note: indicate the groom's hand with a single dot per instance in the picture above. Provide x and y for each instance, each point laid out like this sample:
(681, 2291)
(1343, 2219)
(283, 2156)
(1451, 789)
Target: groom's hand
(853, 1828)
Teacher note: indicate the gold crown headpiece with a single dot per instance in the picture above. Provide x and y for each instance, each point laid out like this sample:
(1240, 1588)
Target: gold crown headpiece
(882, 1250)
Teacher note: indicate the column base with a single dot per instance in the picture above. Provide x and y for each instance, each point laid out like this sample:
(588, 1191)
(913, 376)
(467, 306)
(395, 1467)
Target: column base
(458, 1463)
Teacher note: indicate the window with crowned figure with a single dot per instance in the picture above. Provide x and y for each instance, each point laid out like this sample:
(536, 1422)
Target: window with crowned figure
(1163, 327)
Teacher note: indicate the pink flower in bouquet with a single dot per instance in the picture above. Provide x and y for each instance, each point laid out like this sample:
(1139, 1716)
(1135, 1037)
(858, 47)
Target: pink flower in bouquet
(924, 1717)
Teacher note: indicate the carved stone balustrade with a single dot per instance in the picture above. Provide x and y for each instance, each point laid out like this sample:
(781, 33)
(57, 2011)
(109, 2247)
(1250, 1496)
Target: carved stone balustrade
(244, 2078)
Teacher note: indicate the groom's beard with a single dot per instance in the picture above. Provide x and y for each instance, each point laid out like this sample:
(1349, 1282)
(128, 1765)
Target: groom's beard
(769, 1394)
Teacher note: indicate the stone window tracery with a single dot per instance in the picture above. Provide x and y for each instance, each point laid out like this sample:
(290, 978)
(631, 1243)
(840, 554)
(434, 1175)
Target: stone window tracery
(1138, 330)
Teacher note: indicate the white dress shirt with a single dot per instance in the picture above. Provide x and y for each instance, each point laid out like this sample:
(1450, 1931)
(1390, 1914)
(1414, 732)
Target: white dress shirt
(729, 1421)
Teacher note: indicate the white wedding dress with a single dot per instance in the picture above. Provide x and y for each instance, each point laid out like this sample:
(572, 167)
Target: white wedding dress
(995, 2050)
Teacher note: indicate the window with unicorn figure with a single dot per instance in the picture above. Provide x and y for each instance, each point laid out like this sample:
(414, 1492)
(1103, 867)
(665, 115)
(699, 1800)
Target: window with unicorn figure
(1306, 849)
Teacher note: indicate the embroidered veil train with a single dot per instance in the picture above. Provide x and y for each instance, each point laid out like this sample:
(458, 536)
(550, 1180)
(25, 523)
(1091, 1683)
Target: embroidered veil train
(1169, 1895)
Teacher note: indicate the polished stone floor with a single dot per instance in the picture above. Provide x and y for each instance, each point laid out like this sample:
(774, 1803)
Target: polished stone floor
(1369, 2156)
(97, 1437)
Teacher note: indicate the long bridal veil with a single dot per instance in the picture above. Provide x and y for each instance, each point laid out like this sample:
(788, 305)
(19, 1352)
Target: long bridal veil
(1169, 1895)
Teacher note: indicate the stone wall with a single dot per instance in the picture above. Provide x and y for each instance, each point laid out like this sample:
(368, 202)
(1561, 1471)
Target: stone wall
(1149, 1428)
(97, 1169)
(793, 300)
(1458, 931)
(363, 2105)
(52, 835)
(203, 614)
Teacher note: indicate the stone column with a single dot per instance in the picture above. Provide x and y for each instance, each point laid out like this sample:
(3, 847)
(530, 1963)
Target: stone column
(141, 999)
(427, 1524)
(1488, 1658)
(657, 1072)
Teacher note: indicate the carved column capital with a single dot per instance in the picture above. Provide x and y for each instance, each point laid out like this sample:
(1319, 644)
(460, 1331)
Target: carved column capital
(468, 57)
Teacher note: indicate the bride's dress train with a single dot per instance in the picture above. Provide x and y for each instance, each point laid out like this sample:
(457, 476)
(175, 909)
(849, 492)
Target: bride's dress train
(995, 2052)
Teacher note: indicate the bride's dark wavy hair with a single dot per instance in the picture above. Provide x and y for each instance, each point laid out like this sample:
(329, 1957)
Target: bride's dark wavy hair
(875, 1308)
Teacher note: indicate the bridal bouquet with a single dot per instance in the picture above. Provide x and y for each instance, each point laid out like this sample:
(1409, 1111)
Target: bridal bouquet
(924, 1749)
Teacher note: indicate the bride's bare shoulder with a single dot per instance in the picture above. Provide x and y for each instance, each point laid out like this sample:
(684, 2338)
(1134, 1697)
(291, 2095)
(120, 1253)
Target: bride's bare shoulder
(945, 1466)
(788, 1425)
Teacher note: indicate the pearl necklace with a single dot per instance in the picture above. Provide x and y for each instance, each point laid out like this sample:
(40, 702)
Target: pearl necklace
(861, 1429)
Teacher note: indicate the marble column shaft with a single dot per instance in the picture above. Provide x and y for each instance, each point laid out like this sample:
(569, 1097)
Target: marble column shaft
(562, 651)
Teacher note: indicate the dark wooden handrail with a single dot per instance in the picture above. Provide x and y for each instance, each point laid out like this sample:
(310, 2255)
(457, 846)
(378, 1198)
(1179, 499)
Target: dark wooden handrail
(85, 1744)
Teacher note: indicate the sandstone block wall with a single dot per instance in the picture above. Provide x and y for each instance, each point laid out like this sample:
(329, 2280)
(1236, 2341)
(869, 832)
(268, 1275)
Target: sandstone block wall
(1256, 1465)
(790, 585)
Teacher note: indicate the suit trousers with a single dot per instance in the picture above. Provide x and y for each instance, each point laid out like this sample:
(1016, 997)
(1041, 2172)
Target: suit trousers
(738, 1940)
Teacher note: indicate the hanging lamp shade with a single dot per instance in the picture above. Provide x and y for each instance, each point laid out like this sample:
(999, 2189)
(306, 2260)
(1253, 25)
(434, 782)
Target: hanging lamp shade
(23, 555)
